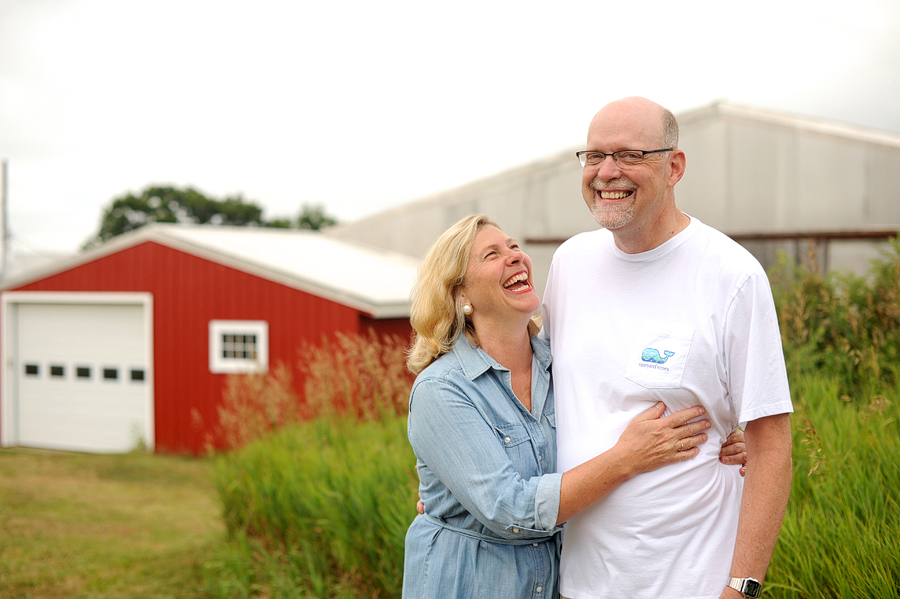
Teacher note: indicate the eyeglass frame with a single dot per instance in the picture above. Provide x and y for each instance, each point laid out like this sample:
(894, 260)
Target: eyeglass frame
(583, 159)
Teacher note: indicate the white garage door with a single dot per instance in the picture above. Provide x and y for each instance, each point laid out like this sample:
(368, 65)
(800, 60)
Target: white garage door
(83, 380)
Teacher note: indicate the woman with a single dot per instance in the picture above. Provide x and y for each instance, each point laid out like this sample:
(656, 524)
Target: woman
(482, 425)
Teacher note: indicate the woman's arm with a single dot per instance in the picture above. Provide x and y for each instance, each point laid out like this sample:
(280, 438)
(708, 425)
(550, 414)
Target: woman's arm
(649, 442)
(458, 444)
(734, 451)
(462, 449)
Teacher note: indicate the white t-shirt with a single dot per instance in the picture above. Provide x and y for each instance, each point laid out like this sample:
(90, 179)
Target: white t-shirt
(691, 322)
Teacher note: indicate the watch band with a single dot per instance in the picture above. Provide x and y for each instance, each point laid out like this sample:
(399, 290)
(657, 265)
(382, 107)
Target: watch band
(748, 587)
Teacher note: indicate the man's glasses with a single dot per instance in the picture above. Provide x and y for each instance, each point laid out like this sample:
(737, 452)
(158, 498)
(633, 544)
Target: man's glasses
(622, 158)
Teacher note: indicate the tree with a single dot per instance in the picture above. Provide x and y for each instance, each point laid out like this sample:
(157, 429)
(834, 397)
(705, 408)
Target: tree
(314, 217)
(172, 205)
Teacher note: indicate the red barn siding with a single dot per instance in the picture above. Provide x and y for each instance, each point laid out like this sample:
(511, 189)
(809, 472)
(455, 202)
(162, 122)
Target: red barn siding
(188, 292)
(398, 327)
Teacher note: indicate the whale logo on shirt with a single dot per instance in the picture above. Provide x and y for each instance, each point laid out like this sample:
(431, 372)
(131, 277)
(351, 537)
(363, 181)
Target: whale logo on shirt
(652, 355)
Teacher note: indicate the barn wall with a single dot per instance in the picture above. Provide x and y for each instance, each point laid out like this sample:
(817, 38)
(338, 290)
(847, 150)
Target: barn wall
(188, 292)
(398, 327)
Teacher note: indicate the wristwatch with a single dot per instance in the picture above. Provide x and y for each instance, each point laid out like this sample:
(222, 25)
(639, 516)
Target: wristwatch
(748, 587)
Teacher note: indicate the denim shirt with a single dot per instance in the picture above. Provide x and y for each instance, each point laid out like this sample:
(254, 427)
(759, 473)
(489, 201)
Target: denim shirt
(487, 475)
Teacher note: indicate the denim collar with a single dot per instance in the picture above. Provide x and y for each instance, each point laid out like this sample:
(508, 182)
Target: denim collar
(475, 362)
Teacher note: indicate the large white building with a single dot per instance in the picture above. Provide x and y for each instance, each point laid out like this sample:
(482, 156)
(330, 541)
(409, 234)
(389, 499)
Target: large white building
(810, 187)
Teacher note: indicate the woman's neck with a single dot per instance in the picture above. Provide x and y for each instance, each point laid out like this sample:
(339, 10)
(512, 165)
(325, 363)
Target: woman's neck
(508, 345)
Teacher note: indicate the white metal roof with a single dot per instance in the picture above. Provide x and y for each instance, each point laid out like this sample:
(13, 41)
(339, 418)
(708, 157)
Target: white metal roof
(792, 121)
(372, 280)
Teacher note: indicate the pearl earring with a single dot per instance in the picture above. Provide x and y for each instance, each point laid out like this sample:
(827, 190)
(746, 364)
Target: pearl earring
(467, 309)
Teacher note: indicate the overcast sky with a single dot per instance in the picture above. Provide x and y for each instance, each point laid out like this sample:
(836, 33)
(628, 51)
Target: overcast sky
(361, 106)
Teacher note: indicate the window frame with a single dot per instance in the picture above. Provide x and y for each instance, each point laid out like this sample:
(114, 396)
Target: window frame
(219, 364)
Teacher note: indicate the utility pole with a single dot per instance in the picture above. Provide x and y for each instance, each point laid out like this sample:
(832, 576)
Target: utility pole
(4, 250)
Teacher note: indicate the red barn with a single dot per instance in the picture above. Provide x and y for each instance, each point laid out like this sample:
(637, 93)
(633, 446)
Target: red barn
(130, 343)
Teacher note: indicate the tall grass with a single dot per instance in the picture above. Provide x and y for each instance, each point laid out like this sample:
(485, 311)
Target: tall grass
(320, 507)
(255, 405)
(362, 377)
(841, 337)
(841, 534)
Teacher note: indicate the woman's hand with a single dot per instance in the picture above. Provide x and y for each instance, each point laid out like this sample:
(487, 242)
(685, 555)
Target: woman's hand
(647, 443)
(650, 442)
(734, 450)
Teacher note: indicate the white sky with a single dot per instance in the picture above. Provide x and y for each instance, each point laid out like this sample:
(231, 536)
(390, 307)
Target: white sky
(360, 105)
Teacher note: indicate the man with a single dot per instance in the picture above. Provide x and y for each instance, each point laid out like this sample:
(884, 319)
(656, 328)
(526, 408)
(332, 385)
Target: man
(658, 306)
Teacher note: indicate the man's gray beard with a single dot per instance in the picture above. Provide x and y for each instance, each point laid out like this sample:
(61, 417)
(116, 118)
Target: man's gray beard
(613, 217)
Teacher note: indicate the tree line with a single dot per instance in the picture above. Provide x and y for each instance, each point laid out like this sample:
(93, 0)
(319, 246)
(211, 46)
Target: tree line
(164, 204)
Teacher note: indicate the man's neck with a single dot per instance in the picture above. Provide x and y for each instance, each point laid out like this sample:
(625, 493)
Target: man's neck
(645, 238)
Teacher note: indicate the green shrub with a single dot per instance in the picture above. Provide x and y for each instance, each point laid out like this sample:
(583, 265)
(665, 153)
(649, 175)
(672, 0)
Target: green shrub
(842, 325)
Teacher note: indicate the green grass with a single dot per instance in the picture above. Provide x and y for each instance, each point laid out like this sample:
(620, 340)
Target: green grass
(841, 534)
(82, 526)
(320, 509)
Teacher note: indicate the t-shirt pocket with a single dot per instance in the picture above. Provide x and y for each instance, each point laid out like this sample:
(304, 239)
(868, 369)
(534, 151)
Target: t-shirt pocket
(657, 356)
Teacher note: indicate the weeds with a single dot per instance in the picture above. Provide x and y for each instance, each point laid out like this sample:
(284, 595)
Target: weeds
(360, 377)
(842, 325)
(255, 405)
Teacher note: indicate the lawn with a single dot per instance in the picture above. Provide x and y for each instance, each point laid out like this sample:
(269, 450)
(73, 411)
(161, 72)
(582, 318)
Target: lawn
(83, 526)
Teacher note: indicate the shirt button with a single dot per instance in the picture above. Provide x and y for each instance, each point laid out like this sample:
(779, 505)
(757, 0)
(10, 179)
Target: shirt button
(534, 544)
(540, 458)
(539, 589)
(507, 439)
(516, 530)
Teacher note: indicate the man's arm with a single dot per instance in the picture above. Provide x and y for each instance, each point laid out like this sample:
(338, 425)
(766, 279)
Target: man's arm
(766, 489)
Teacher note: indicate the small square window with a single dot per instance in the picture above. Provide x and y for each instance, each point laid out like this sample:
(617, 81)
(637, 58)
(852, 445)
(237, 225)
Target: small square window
(83, 372)
(110, 374)
(137, 374)
(32, 370)
(238, 346)
(242, 347)
(57, 371)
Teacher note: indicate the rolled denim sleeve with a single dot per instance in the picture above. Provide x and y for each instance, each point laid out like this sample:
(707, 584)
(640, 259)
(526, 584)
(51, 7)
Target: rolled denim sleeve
(460, 448)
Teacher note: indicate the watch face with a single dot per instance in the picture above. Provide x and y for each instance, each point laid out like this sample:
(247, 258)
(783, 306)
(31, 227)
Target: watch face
(752, 588)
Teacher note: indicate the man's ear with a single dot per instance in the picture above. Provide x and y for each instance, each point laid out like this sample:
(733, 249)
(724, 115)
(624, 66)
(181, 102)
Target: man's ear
(676, 167)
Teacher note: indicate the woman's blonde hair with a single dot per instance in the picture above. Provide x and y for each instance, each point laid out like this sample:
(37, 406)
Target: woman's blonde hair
(434, 313)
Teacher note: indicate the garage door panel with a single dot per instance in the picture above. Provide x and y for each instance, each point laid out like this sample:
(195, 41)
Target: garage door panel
(76, 412)
(65, 332)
